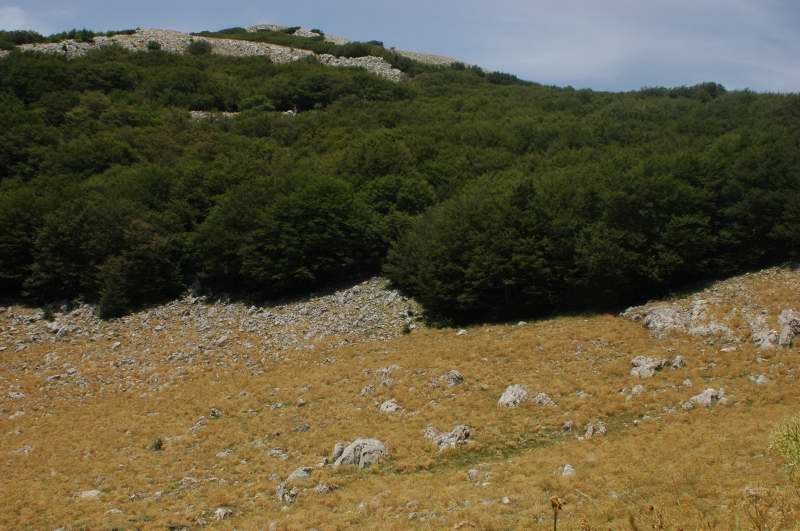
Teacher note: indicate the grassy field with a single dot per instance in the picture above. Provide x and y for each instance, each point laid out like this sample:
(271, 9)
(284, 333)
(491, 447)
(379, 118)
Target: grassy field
(657, 467)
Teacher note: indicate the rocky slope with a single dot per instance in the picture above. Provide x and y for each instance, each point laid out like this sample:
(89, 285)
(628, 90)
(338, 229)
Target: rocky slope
(322, 413)
(177, 42)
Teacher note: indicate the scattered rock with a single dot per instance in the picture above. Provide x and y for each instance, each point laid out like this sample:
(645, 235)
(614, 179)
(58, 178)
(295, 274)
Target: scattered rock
(472, 475)
(461, 332)
(513, 396)
(90, 494)
(707, 398)
(285, 494)
(300, 473)
(644, 367)
(324, 488)
(542, 399)
(567, 471)
(222, 513)
(567, 426)
(390, 406)
(361, 453)
(595, 429)
(452, 378)
(458, 436)
(760, 379)
(789, 320)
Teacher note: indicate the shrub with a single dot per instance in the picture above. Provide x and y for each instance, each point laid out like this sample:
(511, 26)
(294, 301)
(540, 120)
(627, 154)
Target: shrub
(153, 46)
(199, 47)
(785, 441)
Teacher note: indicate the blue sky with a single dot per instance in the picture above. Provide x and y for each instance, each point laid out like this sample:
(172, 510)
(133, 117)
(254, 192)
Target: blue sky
(601, 44)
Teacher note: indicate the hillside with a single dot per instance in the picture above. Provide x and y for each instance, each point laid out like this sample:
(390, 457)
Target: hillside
(190, 415)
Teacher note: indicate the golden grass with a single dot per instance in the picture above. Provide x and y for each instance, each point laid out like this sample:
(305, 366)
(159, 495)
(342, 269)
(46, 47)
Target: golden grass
(684, 470)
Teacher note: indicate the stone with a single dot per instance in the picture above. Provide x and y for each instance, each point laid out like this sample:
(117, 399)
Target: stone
(513, 396)
(324, 488)
(452, 378)
(637, 390)
(595, 429)
(368, 390)
(707, 398)
(390, 406)
(472, 475)
(285, 494)
(542, 399)
(361, 453)
(644, 367)
(90, 494)
(461, 332)
(789, 320)
(278, 453)
(567, 426)
(567, 471)
(760, 379)
(458, 436)
(762, 336)
(300, 473)
(678, 362)
(222, 513)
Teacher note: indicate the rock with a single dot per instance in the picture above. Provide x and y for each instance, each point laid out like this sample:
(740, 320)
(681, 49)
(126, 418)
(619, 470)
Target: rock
(760, 379)
(637, 390)
(361, 453)
(222, 513)
(16, 395)
(215, 413)
(458, 436)
(390, 406)
(595, 429)
(762, 336)
(368, 390)
(461, 332)
(542, 399)
(567, 471)
(678, 362)
(278, 453)
(452, 378)
(687, 382)
(338, 449)
(472, 475)
(301, 428)
(513, 396)
(324, 488)
(285, 494)
(505, 500)
(567, 426)
(300, 473)
(789, 320)
(707, 398)
(644, 367)
(90, 494)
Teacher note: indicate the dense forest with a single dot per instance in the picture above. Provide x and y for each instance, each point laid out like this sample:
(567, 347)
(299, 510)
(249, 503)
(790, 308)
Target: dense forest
(483, 196)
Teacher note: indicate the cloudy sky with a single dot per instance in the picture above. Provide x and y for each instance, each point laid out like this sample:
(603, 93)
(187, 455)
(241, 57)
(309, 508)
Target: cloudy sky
(601, 44)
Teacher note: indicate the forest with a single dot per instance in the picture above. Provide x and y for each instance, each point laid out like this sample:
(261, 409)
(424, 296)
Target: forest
(485, 197)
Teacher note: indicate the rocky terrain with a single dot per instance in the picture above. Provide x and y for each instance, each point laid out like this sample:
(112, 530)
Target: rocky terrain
(177, 42)
(343, 411)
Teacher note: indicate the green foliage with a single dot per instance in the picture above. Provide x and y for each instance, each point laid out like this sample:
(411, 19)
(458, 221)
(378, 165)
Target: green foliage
(153, 46)
(483, 196)
(199, 47)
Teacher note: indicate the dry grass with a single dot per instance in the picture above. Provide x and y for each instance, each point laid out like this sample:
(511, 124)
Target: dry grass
(673, 470)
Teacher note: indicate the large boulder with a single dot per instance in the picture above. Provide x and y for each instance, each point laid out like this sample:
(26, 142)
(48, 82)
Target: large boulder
(707, 398)
(513, 396)
(361, 453)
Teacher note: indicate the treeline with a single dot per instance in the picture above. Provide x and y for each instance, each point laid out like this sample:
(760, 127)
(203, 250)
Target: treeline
(483, 197)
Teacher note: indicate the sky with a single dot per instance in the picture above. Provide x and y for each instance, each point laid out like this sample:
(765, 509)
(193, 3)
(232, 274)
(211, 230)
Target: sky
(598, 44)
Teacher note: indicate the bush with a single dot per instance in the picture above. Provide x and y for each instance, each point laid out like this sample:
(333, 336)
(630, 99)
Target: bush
(153, 46)
(199, 47)
(785, 441)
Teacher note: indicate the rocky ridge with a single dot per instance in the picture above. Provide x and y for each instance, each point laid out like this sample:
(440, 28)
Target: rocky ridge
(177, 42)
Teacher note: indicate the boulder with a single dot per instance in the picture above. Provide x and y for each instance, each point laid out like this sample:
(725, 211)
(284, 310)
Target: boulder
(390, 406)
(452, 378)
(595, 429)
(568, 470)
(513, 396)
(361, 453)
(789, 320)
(300, 473)
(644, 367)
(707, 398)
(458, 436)
(542, 399)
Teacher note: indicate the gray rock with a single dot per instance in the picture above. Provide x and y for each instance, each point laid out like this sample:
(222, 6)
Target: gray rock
(300, 473)
(90, 494)
(760, 379)
(472, 475)
(644, 367)
(458, 436)
(368, 390)
(637, 390)
(567, 426)
(452, 378)
(595, 429)
(567, 471)
(789, 320)
(361, 453)
(390, 406)
(222, 513)
(324, 488)
(285, 494)
(707, 398)
(513, 396)
(542, 399)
